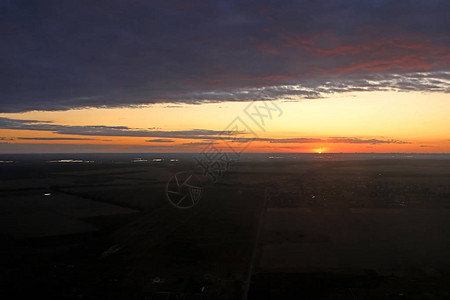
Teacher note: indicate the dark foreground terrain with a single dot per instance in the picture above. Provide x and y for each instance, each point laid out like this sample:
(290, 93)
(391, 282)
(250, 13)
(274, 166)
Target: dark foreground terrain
(312, 227)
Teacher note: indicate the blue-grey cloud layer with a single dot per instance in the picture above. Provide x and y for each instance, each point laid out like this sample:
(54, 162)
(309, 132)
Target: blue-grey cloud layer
(106, 131)
(58, 54)
(160, 141)
(208, 136)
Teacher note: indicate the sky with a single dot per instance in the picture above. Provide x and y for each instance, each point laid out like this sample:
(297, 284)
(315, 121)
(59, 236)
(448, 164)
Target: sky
(256, 76)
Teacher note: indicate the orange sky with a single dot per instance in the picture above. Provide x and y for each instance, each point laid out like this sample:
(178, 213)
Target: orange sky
(346, 122)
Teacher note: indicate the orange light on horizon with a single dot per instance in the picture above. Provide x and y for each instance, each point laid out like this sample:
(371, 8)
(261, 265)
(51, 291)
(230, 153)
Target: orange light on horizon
(409, 122)
(319, 150)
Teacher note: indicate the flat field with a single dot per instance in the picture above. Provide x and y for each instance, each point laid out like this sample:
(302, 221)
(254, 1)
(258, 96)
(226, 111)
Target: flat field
(331, 229)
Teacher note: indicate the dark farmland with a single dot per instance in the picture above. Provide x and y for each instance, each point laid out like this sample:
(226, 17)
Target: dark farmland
(332, 227)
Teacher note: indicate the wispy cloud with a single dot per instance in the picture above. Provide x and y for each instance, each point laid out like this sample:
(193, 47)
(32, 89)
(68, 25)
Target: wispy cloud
(160, 141)
(199, 143)
(101, 130)
(162, 136)
(332, 140)
(54, 139)
(325, 86)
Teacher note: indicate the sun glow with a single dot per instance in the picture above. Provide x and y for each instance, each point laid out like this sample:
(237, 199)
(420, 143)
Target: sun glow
(319, 150)
(350, 122)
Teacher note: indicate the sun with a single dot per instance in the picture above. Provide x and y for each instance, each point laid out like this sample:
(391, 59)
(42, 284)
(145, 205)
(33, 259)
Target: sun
(319, 150)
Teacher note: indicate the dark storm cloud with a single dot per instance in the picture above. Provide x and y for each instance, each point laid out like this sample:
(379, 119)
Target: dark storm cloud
(58, 54)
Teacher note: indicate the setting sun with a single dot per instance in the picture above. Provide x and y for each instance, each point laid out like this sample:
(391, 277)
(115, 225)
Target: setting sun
(319, 150)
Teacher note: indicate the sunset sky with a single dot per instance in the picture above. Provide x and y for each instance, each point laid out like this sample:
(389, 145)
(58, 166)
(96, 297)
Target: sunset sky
(178, 76)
